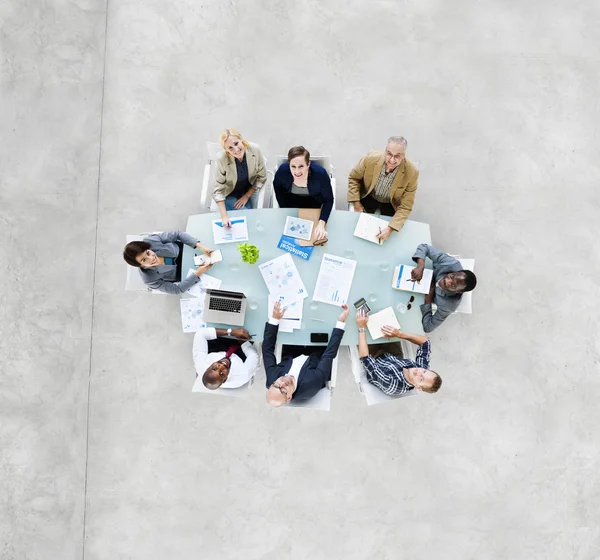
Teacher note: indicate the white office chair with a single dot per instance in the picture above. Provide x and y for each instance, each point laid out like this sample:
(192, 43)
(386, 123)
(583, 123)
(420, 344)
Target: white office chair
(372, 394)
(323, 161)
(133, 281)
(242, 392)
(322, 400)
(466, 302)
(377, 212)
(206, 199)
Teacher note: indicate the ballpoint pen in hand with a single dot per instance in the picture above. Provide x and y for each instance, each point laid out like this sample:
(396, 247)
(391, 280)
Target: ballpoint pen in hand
(379, 238)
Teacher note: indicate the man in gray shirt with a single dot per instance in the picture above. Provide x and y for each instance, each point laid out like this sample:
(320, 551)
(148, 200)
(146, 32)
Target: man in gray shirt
(449, 283)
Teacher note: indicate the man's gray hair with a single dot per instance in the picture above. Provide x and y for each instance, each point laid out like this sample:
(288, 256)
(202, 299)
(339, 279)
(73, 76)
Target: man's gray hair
(398, 140)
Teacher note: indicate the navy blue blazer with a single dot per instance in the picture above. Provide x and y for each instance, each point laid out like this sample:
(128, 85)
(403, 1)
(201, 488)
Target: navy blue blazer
(319, 188)
(315, 372)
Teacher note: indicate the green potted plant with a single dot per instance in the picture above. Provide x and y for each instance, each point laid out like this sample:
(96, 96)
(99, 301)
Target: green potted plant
(249, 252)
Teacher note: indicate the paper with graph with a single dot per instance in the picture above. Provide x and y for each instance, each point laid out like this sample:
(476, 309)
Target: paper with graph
(334, 280)
(282, 277)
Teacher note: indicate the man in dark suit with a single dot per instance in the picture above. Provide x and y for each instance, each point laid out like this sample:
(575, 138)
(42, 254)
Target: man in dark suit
(298, 377)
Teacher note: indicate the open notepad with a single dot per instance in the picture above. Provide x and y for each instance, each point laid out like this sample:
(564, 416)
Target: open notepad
(402, 280)
(377, 320)
(369, 227)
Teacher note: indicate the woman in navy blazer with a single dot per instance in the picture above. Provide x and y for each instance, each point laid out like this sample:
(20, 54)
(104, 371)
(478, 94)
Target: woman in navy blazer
(298, 184)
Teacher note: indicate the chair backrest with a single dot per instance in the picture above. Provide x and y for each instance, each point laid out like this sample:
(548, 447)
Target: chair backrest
(214, 150)
(133, 280)
(372, 394)
(323, 161)
(466, 301)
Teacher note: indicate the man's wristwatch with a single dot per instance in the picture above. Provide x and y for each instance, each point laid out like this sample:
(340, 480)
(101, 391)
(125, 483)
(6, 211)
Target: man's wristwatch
(228, 332)
(361, 329)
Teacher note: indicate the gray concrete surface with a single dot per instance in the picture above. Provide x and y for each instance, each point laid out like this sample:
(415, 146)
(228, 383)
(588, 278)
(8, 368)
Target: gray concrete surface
(105, 111)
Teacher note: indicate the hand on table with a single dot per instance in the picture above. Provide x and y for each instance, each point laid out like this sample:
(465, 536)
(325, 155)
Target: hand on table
(358, 207)
(417, 273)
(385, 233)
(344, 314)
(320, 233)
(241, 202)
(390, 332)
(241, 334)
(226, 221)
(278, 311)
(362, 318)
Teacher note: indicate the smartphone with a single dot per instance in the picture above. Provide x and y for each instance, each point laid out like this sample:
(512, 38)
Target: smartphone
(362, 304)
(319, 337)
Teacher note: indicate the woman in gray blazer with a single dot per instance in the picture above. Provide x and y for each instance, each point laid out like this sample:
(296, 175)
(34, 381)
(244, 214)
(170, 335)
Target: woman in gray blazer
(239, 173)
(159, 258)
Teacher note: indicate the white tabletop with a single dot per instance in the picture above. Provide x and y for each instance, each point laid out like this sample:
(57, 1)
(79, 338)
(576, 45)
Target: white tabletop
(372, 280)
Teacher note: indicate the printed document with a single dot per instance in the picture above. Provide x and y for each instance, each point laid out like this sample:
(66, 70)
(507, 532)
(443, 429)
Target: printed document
(237, 232)
(281, 276)
(369, 227)
(192, 314)
(293, 313)
(334, 280)
(377, 320)
(403, 281)
(298, 228)
(206, 282)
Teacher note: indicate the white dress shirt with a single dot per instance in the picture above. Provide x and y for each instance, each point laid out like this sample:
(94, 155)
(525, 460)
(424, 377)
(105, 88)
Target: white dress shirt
(298, 361)
(239, 372)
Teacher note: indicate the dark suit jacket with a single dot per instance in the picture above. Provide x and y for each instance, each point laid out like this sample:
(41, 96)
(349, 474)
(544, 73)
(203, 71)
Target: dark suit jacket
(319, 188)
(315, 372)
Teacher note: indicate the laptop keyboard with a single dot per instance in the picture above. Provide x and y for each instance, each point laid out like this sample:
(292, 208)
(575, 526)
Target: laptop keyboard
(219, 304)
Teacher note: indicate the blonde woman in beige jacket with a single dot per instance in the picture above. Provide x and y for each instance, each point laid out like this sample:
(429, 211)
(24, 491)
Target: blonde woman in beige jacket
(239, 173)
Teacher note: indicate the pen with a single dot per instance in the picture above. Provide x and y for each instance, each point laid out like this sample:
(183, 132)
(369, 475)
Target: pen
(379, 238)
(319, 320)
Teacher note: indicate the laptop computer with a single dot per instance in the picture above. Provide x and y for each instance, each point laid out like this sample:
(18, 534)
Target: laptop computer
(221, 306)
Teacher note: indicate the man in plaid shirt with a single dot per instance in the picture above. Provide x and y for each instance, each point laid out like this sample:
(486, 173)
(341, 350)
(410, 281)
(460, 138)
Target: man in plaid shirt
(393, 375)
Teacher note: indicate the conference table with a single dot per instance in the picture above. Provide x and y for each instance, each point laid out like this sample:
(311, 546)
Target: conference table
(372, 277)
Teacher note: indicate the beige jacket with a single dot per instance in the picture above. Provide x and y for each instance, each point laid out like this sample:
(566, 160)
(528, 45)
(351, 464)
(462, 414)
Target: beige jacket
(226, 172)
(363, 178)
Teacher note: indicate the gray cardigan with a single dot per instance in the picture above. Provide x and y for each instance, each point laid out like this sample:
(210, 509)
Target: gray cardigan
(162, 277)
(446, 302)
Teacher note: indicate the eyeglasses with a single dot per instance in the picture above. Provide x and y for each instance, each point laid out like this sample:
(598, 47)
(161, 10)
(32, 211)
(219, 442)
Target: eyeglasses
(412, 298)
(282, 390)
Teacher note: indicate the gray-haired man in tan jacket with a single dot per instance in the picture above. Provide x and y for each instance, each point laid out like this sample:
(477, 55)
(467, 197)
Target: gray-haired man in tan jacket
(385, 180)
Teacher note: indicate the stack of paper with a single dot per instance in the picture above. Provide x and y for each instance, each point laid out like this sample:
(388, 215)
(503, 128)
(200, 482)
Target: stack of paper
(281, 277)
(293, 312)
(377, 320)
(237, 232)
(369, 227)
(334, 280)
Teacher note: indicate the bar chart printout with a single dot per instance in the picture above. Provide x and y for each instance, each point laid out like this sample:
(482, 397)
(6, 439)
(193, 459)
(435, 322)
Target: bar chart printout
(334, 280)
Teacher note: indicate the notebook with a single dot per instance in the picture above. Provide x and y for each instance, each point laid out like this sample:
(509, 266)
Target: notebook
(402, 280)
(377, 320)
(369, 227)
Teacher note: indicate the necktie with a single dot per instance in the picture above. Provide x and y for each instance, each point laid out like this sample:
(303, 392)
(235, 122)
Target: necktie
(231, 350)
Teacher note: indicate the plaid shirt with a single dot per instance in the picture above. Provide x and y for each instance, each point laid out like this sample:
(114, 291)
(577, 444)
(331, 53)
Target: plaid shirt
(386, 374)
(382, 190)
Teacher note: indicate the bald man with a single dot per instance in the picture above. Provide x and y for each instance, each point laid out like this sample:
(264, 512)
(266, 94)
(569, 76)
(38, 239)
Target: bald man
(224, 362)
(301, 377)
(385, 181)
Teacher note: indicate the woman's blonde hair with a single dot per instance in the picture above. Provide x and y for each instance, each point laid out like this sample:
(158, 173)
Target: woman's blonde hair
(232, 132)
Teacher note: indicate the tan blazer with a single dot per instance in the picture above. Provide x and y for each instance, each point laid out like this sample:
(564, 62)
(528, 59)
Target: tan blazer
(363, 178)
(226, 172)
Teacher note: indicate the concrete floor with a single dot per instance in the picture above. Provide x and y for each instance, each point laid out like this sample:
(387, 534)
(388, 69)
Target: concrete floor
(106, 454)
